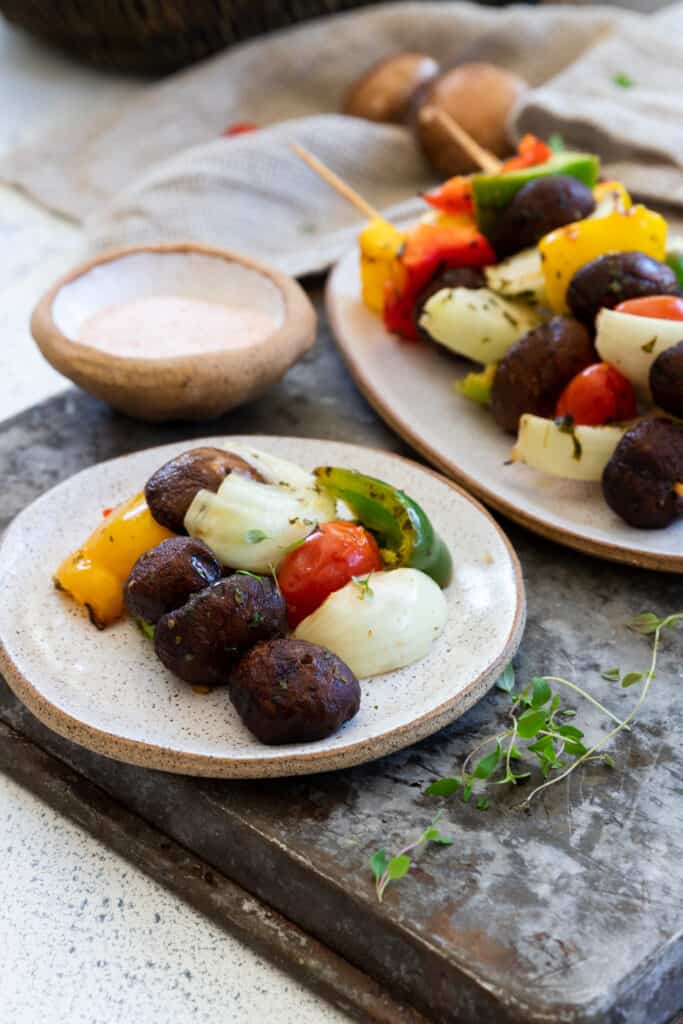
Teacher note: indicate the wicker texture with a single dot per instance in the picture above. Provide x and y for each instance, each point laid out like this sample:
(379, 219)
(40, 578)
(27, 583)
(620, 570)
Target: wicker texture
(159, 35)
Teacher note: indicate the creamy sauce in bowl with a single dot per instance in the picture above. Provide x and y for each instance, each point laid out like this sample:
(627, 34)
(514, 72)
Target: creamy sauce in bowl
(164, 326)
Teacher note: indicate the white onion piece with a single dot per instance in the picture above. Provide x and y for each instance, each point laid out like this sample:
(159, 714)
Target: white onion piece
(519, 276)
(581, 454)
(250, 525)
(476, 323)
(273, 469)
(390, 623)
(632, 343)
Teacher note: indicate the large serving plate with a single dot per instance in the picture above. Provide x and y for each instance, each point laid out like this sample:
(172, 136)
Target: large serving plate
(107, 690)
(411, 387)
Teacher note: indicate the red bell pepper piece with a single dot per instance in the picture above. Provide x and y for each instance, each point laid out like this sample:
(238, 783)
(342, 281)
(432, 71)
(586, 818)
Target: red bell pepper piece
(429, 248)
(530, 151)
(454, 196)
(240, 128)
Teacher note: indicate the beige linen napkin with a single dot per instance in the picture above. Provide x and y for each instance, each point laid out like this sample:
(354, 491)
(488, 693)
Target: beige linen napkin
(158, 168)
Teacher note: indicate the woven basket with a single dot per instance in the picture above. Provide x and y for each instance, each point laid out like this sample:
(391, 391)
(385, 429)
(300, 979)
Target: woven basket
(158, 35)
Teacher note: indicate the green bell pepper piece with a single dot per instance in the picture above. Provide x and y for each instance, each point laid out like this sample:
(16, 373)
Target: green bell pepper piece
(674, 259)
(493, 192)
(403, 530)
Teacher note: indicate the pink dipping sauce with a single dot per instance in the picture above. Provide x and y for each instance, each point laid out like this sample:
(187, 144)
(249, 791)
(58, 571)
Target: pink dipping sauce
(166, 325)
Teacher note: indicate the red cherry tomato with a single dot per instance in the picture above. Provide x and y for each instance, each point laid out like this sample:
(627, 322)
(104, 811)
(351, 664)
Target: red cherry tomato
(240, 128)
(660, 307)
(325, 562)
(597, 395)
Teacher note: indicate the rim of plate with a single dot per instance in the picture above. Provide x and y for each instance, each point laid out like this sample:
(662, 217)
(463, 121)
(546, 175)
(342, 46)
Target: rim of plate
(637, 557)
(161, 758)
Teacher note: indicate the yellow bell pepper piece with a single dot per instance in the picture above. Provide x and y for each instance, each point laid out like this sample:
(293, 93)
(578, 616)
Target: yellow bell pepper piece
(94, 576)
(566, 249)
(612, 194)
(380, 262)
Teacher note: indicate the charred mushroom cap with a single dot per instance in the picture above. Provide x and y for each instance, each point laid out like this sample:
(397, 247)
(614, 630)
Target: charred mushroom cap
(165, 577)
(538, 207)
(170, 491)
(608, 280)
(448, 277)
(202, 641)
(639, 480)
(292, 691)
(666, 380)
(533, 373)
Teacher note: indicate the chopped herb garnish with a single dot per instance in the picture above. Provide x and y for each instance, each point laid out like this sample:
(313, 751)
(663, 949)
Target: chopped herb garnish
(255, 536)
(649, 345)
(623, 80)
(567, 426)
(245, 572)
(363, 585)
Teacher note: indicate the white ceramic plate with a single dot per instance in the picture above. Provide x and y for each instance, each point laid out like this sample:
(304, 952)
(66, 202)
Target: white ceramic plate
(411, 387)
(108, 691)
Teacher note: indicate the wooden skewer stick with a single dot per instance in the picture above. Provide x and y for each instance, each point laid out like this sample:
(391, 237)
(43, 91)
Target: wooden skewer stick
(678, 488)
(482, 157)
(337, 183)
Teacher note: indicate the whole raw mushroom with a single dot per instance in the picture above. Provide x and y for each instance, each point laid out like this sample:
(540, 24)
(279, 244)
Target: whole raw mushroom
(384, 93)
(480, 97)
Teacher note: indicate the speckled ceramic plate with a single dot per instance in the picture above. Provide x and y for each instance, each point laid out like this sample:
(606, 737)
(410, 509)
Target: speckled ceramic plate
(107, 690)
(411, 387)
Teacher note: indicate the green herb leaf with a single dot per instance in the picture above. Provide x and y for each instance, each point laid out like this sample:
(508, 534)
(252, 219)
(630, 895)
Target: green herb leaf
(646, 622)
(398, 867)
(467, 791)
(255, 536)
(623, 80)
(441, 840)
(609, 760)
(378, 863)
(363, 584)
(570, 732)
(556, 143)
(611, 675)
(575, 748)
(541, 692)
(488, 764)
(530, 722)
(483, 804)
(545, 745)
(444, 787)
(506, 681)
(631, 678)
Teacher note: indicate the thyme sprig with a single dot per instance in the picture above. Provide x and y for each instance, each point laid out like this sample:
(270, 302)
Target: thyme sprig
(539, 719)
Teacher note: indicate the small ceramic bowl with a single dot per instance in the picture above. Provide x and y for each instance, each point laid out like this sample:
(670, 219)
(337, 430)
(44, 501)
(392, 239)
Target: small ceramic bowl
(198, 386)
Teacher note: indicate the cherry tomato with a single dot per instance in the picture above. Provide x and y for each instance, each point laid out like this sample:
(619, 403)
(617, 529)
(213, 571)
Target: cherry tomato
(660, 307)
(325, 562)
(597, 395)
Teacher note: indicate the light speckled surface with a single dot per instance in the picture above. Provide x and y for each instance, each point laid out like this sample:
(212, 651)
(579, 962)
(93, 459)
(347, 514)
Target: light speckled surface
(412, 387)
(109, 691)
(88, 939)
